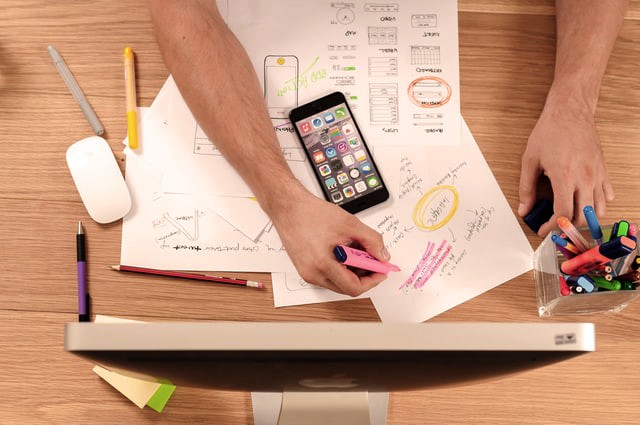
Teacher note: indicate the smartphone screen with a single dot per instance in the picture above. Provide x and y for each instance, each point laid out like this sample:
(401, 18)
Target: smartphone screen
(338, 153)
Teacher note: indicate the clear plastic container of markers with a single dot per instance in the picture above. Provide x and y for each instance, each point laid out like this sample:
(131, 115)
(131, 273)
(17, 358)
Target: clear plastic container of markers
(546, 267)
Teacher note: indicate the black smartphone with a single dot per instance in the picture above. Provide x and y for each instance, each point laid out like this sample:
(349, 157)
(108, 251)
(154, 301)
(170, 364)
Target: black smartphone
(338, 153)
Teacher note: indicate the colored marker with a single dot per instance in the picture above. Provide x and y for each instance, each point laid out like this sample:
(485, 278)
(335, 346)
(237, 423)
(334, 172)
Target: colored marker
(612, 285)
(596, 256)
(622, 229)
(635, 264)
(628, 286)
(565, 252)
(614, 231)
(84, 300)
(560, 241)
(607, 268)
(577, 289)
(633, 276)
(573, 234)
(592, 222)
(625, 265)
(564, 288)
(362, 260)
(561, 246)
(130, 90)
(583, 281)
(572, 248)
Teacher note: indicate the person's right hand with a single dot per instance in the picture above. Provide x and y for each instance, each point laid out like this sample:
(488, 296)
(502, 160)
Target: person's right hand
(310, 228)
(564, 145)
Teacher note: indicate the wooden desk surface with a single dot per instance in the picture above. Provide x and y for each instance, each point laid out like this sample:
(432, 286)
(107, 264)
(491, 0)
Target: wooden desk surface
(506, 61)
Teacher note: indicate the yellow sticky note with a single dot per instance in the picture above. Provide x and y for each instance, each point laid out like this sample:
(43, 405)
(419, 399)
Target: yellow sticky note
(139, 391)
(142, 390)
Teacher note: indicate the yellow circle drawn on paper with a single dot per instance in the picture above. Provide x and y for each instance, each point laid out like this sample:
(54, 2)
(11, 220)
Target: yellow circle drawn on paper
(423, 204)
(280, 61)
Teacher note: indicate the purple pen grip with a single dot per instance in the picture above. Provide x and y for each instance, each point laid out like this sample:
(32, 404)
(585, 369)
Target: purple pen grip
(82, 287)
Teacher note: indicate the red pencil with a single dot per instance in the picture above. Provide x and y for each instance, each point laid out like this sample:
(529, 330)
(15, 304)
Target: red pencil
(194, 276)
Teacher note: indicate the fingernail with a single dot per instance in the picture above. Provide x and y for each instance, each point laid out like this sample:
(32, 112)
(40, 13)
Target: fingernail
(521, 209)
(385, 254)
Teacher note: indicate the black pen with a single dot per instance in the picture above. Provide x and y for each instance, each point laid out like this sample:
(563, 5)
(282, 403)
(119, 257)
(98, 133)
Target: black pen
(84, 315)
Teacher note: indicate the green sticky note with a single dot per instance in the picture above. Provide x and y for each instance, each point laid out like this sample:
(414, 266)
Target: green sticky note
(160, 398)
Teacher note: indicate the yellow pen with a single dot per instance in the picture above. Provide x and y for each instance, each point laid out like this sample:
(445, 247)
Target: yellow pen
(130, 81)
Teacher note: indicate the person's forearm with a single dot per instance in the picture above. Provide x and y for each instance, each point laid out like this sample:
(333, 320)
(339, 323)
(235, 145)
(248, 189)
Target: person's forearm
(586, 32)
(218, 82)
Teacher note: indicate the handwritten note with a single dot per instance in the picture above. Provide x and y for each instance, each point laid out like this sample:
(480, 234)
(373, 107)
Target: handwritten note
(450, 229)
(174, 233)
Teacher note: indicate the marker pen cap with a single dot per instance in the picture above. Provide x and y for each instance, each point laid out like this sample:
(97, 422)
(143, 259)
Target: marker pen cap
(340, 254)
(617, 247)
(592, 222)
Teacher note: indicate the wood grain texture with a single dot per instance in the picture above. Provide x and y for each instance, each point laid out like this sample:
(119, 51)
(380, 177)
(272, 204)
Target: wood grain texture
(506, 66)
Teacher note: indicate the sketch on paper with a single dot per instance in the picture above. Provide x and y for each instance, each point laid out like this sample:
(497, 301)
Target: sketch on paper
(436, 207)
(280, 84)
(345, 14)
(429, 92)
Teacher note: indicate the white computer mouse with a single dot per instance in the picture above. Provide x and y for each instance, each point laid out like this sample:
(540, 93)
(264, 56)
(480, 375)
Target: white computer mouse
(98, 179)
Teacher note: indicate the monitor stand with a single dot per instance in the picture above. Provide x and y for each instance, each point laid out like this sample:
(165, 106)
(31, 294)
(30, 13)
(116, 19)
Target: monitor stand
(311, 408)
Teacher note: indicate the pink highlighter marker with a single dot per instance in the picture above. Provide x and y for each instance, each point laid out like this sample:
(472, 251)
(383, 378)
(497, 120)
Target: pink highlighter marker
(362, 260)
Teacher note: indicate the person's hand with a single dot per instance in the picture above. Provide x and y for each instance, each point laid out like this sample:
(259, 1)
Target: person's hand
(564, 145)
(310, 228)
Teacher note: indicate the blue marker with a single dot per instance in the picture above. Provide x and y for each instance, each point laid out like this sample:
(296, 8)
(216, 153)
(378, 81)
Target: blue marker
(583, 281)
(559, 241)
(592, 222)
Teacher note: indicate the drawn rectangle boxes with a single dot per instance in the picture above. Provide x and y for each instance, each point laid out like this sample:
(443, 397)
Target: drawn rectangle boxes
(383, 67)
(383, 103)
(383, 35)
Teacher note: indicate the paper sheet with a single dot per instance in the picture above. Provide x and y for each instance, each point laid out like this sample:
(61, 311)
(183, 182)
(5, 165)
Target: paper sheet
(167, 232)
(396, 62)
(156, 156)
(209, 170)
(290, 289)
(451, 231)
(447, 225)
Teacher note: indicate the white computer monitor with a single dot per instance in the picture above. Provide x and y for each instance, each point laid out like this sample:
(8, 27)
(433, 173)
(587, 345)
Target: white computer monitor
(343, 358)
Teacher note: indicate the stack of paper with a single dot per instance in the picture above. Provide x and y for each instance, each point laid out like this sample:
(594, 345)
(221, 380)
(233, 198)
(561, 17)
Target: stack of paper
(447, 224)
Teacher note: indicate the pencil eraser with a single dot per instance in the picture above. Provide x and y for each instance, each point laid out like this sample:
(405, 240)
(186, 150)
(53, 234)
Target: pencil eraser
(540, 214)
